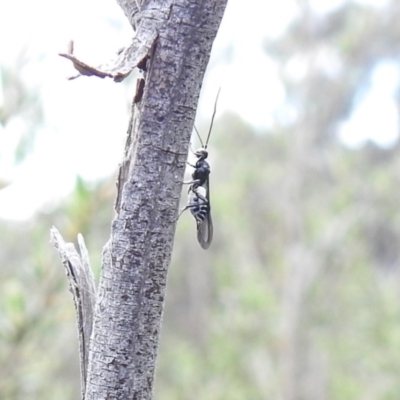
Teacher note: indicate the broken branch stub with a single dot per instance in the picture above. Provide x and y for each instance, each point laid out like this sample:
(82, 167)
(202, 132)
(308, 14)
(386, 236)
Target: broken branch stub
(134, 55)
(83, 289)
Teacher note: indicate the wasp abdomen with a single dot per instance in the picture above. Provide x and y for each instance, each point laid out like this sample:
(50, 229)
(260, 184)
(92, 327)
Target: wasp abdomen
(199, 206)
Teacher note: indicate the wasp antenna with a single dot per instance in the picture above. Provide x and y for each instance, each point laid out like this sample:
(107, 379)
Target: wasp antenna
(212, 118)
(198, 135)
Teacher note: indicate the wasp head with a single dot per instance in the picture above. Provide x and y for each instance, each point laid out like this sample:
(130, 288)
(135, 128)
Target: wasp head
(201, 154)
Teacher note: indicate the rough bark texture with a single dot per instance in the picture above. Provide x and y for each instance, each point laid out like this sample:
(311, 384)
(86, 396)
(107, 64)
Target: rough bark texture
(131, 291)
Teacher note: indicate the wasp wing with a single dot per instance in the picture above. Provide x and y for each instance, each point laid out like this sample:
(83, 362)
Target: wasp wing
(205, 232)
(205, 229)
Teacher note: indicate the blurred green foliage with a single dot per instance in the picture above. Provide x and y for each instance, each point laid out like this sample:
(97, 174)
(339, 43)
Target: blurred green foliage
(298, 296)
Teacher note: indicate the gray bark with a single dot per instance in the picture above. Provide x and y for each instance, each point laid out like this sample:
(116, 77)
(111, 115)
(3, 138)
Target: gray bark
(83, 289)
(131, 293)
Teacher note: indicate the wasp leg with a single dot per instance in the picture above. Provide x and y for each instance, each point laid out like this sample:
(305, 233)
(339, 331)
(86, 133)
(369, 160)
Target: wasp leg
(201, 197)
(191, 182)
(196, 181)
(188, 207)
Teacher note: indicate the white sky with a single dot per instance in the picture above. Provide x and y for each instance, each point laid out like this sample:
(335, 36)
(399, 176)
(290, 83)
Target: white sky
(89, 116)
(377, 116)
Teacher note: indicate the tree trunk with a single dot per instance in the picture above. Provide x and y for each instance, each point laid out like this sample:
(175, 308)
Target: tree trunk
(131, 292)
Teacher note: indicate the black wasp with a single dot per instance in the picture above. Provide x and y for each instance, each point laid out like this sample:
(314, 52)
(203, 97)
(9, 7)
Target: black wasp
(199, 191)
